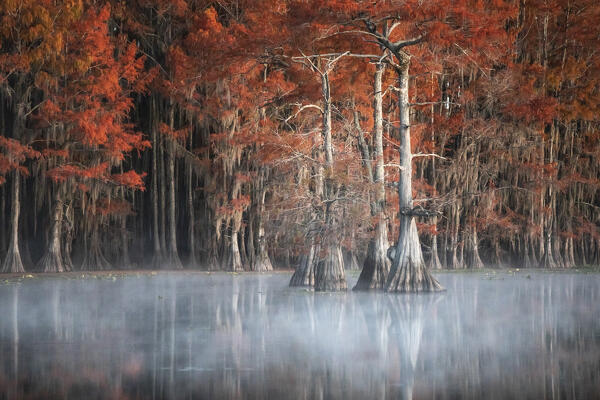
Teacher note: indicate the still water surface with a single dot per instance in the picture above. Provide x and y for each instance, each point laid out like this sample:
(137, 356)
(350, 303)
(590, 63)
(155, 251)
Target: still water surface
(213, 336)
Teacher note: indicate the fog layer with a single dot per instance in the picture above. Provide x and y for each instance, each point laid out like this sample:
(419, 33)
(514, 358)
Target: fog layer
(196, 335)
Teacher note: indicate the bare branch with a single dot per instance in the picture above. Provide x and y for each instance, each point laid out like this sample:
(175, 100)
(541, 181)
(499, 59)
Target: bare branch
(331, 63)
(409, 42)
(428, 155)
(400, 167)
(302, 109)
(428, 103)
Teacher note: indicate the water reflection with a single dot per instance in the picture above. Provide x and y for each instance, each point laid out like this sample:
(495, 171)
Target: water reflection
(196, 336)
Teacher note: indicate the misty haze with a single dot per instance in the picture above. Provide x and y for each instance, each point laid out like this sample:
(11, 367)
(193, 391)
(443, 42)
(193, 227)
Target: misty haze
(211, 336)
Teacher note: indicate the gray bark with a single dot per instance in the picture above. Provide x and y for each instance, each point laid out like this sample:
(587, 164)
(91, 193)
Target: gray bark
(329, 273)
(434, 261)
(263, 261)
(408, 272)
(12, 261)
(157, 254)
(52, 260)
(377, 265)
(233, 261)
(173, 256)
(475, 260)
(190, 202)
(304, 275)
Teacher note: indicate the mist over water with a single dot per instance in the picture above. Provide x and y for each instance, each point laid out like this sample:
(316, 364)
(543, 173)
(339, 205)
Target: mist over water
(212, 336)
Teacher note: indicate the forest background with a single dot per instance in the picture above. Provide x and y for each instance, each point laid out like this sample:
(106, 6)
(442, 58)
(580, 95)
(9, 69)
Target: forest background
(242, 135)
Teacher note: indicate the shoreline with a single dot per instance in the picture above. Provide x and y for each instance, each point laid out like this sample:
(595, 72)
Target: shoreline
(110, 274)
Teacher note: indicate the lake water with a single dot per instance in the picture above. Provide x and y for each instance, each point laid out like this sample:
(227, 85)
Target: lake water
(224, 336)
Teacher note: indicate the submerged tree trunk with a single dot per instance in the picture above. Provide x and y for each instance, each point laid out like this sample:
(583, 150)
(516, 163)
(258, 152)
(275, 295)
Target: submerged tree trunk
(328, 276)
(377, 265)
(329, 273)
(12, 261)
(304, 275)
(408, 272)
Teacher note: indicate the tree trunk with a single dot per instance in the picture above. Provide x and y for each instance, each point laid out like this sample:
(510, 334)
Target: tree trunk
(242, 245)
(475, 260)
(157, 256)
(52, 260)
(377, 265)
(263, 261)
(12, 261)
(455, 262)
(304, 275)
(125, 260)
(548, 258)
(408, 272)
(329, 273)
(67, 231)
(163, 199)
(94, 259)
(173, 260)
(434, 261)
(233, 261)
(191, 226)
(2, 223)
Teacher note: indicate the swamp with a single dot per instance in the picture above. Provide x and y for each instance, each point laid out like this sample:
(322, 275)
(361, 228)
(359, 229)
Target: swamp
(299, 199)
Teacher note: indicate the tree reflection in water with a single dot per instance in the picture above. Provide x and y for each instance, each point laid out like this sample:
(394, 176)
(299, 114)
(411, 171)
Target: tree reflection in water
(250, 336)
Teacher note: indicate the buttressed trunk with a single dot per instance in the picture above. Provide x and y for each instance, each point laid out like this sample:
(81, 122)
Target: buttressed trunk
(377, 265)
(408, 272)
(304, 275)
(52, 261)
(263, 262)
(12, 262)
(329, 272)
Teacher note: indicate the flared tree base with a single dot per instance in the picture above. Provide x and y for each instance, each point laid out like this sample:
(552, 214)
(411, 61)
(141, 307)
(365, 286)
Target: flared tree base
(413, 278)
(95, 261)
(304, 275)
(408, 273)
(173, 262)
(329, 274)
(52, 262)
(377, 265)
(263, 264)
(12, 262)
